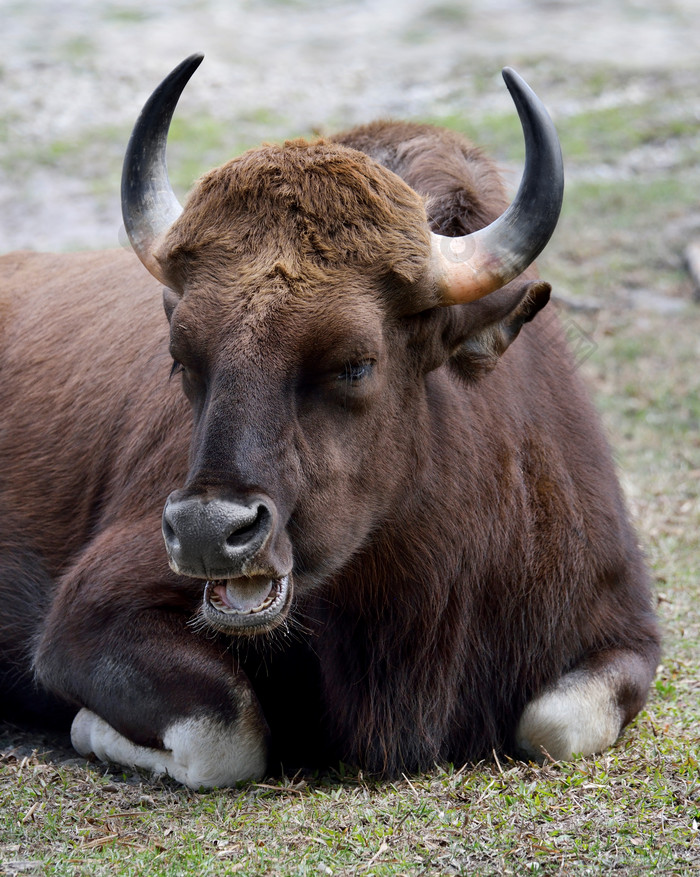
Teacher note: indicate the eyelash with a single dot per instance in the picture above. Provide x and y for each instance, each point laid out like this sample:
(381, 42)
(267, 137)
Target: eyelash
(354, 372)
(176, 369)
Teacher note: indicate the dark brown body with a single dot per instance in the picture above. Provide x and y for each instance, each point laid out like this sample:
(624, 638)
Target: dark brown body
(459, 539)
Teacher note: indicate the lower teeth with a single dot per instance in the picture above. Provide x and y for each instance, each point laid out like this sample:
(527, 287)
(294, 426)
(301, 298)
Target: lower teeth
(219, 605)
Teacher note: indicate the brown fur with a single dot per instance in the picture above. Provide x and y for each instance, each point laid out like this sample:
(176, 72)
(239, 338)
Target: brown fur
(458, 534)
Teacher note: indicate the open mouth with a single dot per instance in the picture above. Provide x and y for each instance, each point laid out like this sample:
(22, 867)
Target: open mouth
(246, 605)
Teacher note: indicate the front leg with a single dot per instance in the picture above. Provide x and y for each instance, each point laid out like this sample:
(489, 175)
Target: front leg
(153, 692)
(586, 709)
(198, 751)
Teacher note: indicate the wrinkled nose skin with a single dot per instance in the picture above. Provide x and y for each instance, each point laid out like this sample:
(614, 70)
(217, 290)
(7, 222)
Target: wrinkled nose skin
(215, 538)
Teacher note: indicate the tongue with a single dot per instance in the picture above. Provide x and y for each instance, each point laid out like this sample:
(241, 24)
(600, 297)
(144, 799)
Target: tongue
(244, 595)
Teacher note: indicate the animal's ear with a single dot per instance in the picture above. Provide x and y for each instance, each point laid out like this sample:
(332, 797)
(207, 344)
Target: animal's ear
(170, 301)
(489, 326)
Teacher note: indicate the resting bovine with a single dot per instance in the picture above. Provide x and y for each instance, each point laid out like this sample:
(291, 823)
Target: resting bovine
(398, 537)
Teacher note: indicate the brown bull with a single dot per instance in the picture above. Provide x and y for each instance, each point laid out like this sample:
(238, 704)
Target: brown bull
(398, 540)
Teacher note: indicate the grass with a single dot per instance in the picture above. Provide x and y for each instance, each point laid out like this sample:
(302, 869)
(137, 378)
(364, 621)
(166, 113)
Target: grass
(635, 808)
(630, 811)
(196, 143)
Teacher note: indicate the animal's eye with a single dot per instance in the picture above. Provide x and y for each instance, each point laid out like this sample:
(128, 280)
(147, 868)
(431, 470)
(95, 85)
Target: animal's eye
(354, 372)
(177, 369)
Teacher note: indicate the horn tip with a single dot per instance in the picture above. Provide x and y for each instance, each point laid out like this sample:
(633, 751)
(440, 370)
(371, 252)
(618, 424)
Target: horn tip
(514, 80)
(191, 62)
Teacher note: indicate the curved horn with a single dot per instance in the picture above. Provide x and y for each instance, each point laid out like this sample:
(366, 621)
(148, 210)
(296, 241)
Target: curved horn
(149, 205)
(469, 267)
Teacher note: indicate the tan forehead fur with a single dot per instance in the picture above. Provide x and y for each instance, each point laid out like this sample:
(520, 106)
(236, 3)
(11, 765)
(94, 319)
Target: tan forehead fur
(299, 212)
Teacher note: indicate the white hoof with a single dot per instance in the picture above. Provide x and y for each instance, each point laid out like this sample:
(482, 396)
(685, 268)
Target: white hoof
(579, 716)
(199, 751)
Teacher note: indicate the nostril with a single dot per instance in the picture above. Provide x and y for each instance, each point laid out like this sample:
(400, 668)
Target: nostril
(215, 538)
(168, 532)
(244, 534)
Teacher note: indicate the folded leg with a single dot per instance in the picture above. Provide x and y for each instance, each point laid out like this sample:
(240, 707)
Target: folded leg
(153, 692)
(587, 708)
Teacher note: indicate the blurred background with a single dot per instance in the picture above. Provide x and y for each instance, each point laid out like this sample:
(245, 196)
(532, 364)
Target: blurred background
(620, 78)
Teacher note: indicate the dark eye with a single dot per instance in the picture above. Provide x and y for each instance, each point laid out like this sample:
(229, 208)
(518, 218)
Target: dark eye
(177, 369)
(354, 372)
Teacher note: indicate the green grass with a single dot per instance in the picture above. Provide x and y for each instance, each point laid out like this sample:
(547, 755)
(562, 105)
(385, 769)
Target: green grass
(600, 124)
(598, 135)
(78, 49)
(613, 238)
(196, 143)
(635, 808)
(200, 142)
(122, 14)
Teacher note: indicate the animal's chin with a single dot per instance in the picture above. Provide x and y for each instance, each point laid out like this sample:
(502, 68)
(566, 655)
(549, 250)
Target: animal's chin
(246, 605)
